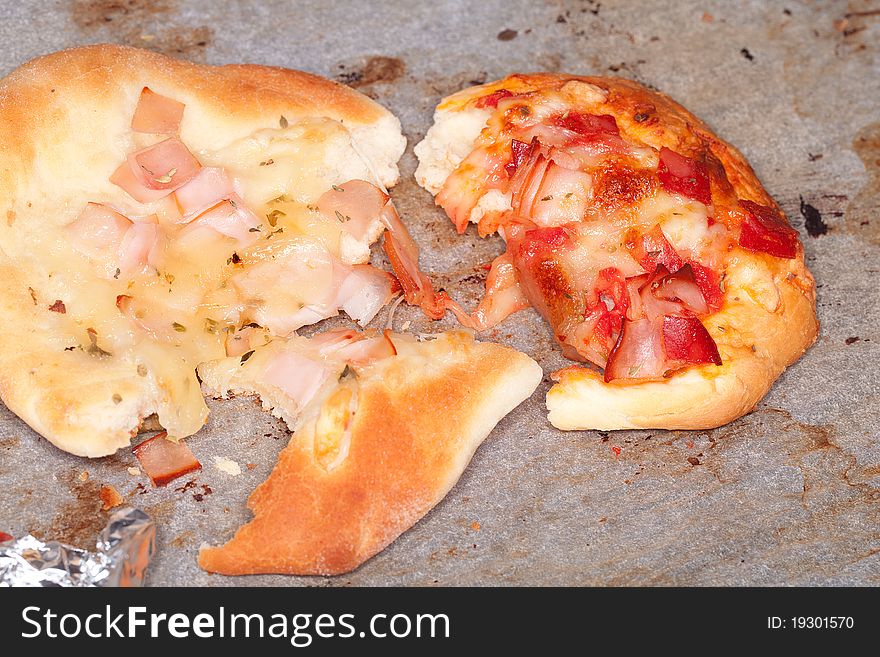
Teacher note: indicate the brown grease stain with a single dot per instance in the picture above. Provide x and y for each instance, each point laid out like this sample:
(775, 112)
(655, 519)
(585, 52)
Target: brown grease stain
(80, 518)
(150, 24)
(378, 69)
(861, 217)
(10, 443)
(100, 13)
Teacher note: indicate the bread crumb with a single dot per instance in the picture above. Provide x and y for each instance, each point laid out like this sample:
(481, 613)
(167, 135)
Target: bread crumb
(475, 526)
(251, 466)
(110, 497)
(228, 466)
(406, 325)
(84, 475)
(134, 472)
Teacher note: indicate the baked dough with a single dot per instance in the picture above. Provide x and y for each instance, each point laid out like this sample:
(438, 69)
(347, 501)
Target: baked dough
(373, 452)
(71, 364)
(764, 318)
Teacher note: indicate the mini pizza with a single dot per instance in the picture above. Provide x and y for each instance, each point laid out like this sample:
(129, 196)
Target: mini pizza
(161, 214)
(385, 425)
(646, 242)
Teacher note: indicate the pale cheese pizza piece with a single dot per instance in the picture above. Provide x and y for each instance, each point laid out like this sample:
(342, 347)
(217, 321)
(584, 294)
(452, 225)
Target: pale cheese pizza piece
(155, 209)
(374, 449)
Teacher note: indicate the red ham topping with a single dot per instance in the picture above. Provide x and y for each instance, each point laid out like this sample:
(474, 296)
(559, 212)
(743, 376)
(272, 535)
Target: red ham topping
(5, 537)
(766, 230)
(603, 319)
(682, 175)
(164, 460)
(687, 342)
(157, 114)
(709, 284)
(682, 287)
(651, 249)
(527, 183)
(660, 333)
(588, 124)
(520, 153)
(557, 236)
(492, 99)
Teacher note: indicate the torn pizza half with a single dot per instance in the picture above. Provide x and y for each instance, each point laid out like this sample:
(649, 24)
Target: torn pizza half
(645, 241)
(160, 214)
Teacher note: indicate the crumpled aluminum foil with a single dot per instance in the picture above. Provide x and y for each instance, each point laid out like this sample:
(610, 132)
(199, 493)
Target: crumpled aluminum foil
(121, 557)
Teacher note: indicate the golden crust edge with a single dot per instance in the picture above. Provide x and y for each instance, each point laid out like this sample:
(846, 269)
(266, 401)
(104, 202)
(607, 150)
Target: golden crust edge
(507, 382)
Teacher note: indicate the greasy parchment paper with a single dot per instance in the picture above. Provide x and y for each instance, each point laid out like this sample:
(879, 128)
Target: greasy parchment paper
(789, 494)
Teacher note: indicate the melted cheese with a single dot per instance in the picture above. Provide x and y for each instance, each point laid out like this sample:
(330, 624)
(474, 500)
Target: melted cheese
(172, 317)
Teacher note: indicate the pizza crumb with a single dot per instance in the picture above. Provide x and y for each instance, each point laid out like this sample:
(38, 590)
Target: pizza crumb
(475, 526)
(84, 475)
(134, 472)
(228, 466)
(110, 497)
(251, 466)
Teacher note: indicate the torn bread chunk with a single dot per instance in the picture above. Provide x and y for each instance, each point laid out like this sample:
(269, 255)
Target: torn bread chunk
(381, 435)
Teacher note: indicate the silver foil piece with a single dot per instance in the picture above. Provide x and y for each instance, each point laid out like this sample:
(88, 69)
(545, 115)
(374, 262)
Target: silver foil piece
(120, 558)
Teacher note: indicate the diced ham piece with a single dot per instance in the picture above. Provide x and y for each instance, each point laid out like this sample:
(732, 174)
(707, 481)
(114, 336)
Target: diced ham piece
(661, 333)
(520, 152)
(296, 376)
(330, 341)
(686, 342)
(561, 197)
(503, 295)
(105, 235)
(368, 350)
(125, 177)
(356, 204)
(766, 230)
(209, 186)
(353, 347)
(141, 245)
(98, 231)
(638, 353)
(157, 114)
(651, 249)
(5, 537)
(164, 460)
(682, 287)
(527, 182)
(364, 291)
(231, 218)
(156, 171)
(682, 175)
